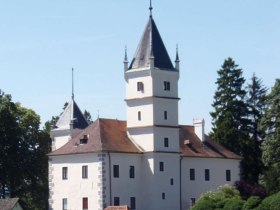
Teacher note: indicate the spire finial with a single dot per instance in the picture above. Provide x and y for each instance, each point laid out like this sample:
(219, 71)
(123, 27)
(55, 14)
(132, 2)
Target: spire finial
(125, 53)
(151, 9)
(177, 54)
(72, 83)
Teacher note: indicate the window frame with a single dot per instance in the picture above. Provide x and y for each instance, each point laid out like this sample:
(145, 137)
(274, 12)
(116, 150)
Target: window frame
(228, 175)
(140, 86)
(64, 173)
(116, 201)
(131, 172)
(84, 171)
(64, 204)
(161, 166)
(166, 85)
(166, 142)
(163, 196)
(207, 174)
(139, 116)
(85, 203)
(165, 115)
(192, 174)
(116, 171)
(132, 203)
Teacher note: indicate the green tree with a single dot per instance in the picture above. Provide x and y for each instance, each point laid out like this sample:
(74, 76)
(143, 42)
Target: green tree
(256, 95)
(230, 110)
(24, 164)
(270, 125)
(87, 116)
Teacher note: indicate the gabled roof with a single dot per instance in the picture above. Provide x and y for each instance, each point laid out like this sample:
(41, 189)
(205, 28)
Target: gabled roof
(8, 203)
(102, 135)
(111, 136)
(151, 44)
(72, 114)
(191, 146)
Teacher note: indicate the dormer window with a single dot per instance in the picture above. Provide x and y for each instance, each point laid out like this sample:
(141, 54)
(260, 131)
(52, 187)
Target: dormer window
(140, 86)
(84, 140)
(166, 85)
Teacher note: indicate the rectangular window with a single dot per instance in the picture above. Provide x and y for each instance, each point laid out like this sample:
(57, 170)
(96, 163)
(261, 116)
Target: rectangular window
(140, 86)
(192, 201)
(131, 172)
(116, 171)
(165, 115)
(163, 196)
(84, 172)
(132, 203)
(64, 173)
(207, 174)
(139, 116)
(161, 166)
(166, 85)
(85, 203)
(166, 143)
(116, 201)
(64, 204)
(171, 182)
(192, 174)
(228, 175)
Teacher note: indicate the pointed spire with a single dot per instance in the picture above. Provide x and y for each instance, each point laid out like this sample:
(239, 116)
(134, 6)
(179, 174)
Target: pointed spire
(125, 61)
(151, 9)
(72, 83)
(177, 61)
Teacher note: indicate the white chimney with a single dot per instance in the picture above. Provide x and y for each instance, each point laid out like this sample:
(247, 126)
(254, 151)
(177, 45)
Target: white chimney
(199, 128)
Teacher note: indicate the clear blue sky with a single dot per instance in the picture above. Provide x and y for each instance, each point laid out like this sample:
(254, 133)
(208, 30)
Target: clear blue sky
(40, 41)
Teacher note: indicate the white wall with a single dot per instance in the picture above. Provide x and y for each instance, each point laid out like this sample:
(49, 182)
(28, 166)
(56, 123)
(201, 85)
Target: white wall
(217, 166)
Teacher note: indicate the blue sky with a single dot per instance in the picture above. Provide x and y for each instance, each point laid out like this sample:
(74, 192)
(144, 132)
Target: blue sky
(40, 41)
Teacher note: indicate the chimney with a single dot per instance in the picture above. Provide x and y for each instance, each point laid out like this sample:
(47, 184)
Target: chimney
(199, 128)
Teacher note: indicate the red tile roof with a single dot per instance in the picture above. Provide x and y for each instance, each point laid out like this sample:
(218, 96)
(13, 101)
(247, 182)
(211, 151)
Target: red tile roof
(8, 203)
(117, 208)
(111, 136)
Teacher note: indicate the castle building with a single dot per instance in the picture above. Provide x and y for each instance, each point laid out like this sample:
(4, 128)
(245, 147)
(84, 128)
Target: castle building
(149, 161)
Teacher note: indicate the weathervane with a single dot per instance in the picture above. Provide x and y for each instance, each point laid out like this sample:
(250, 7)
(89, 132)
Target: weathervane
(72, 83)
(151, 8)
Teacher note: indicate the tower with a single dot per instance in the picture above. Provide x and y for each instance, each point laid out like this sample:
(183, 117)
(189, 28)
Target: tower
(152, 118)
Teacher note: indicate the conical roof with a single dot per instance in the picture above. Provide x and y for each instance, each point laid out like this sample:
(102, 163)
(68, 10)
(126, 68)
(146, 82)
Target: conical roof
(151, 44)
(72, 115)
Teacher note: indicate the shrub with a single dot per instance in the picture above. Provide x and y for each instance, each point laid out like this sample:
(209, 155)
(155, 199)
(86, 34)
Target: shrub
(252, 203)
(234, 204)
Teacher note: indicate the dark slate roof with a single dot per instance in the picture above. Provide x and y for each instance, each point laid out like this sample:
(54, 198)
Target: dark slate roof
(111, 136)
(8, 203)
(72, 114)
(151, 39)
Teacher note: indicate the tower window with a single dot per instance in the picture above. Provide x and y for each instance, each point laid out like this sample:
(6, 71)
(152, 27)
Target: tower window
(139, 116)
(116, 171)
(166, 85)
(116, 201)
(163, 196)
(171, 181)
(64, 173)
(140, 86)
(228, 175)
(64, 204)
(84, 172)
(207, 174)
(165, 115)
(166, 142)
(85, 203)
(161, 166)
(192, 174)
(132, 203)
(131, 172)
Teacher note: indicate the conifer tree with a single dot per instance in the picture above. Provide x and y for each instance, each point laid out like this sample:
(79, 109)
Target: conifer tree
(270, 125)
(229, 115)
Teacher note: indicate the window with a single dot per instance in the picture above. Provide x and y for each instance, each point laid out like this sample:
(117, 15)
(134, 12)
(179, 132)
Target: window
(132, 203)
(207, 174)
(139, 116)
(64, 173)
(140, 86)
(165, 115)
(166, 143)
(192, 174)
(228, 175)
(162, 196)
(171, 182)
(166, 85)
(84, 172)
(131, 172)
(192, 201)
(85, 203)
(116, 201)
(161, 166)
(64, 204)
(116, 171)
